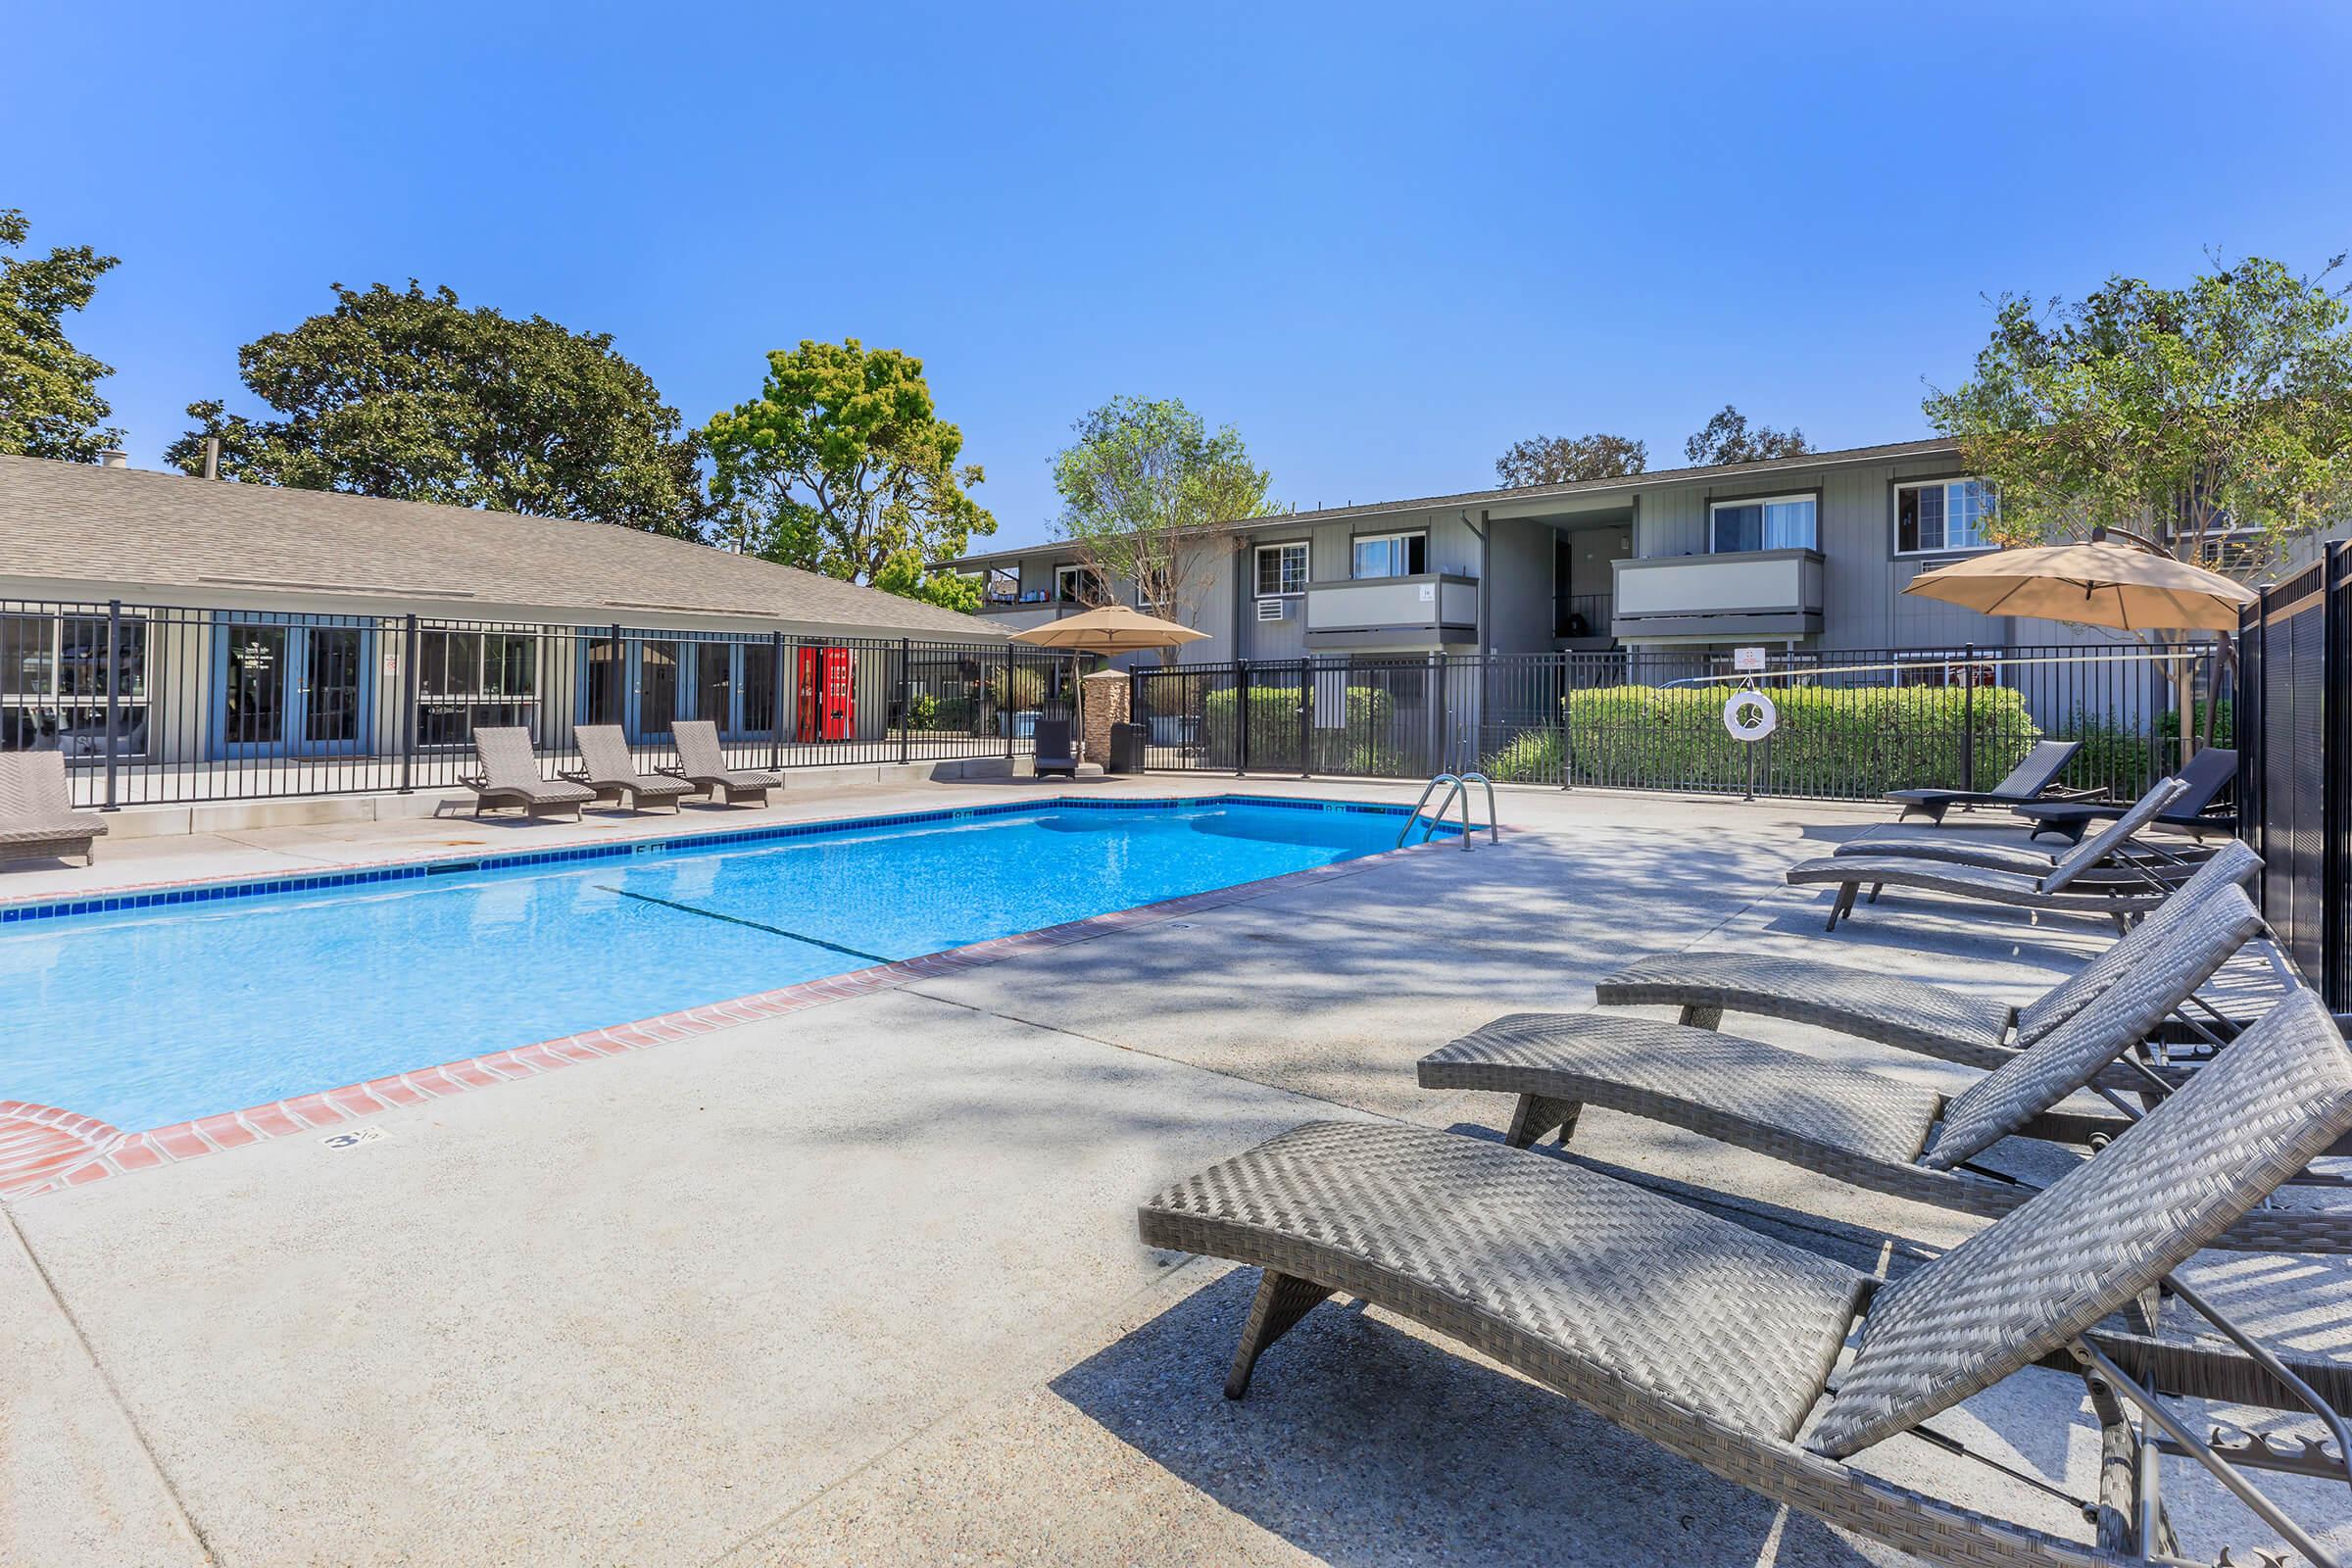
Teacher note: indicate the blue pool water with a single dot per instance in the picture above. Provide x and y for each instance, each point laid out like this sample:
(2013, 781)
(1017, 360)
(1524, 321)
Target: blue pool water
(146, 1016)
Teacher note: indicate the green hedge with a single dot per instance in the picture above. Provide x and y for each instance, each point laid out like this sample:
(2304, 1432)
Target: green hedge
(1851, 743)
(1362, 745)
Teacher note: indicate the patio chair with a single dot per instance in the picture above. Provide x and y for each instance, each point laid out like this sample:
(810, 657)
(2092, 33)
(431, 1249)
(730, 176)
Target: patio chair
(510, 775)
(1955, 1026)
(1054, 752)
(2072, 886)
(703, 766)
(1864, 1128)
(2126, 858)
(37, 819)
(608, 769)
(1718, 1343)
(2030, 780)
(2208, 773)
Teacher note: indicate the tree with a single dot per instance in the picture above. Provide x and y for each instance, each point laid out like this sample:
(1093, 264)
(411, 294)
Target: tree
(412, 396)
(1728, 439)
(2178, 414)
(2215, 414)
(842, 465)
(1567, 458)
(1140, 486)
(49, 402)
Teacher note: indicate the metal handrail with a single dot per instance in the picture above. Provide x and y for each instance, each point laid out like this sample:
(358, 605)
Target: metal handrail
(1459, 786)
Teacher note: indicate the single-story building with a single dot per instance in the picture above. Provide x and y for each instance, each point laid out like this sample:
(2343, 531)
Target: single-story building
(255, 625)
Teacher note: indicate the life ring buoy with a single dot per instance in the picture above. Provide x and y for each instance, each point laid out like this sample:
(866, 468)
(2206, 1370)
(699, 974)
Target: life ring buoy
(1751, 717)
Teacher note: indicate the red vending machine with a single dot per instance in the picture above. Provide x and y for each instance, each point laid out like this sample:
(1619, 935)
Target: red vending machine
(825, 710)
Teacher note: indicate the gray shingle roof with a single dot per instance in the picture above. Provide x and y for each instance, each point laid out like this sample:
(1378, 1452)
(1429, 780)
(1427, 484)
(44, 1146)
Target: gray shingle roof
(166, 531)
(1887, 452)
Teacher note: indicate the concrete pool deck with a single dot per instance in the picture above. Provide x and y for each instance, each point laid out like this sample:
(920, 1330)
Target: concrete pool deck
(860, 1284)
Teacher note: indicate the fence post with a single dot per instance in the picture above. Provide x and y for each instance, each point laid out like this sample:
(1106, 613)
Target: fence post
(1004, 701)
(1307, 716)
(775, 712)
(114, 686)
(1968, 718)
(1241, 691)
(407, 707)
(905, 718)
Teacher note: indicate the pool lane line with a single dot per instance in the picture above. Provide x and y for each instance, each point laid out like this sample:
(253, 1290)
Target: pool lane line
(737, 919)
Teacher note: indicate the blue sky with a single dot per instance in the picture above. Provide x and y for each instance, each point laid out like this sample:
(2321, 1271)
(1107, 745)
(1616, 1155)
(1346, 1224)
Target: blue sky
(1384, 242)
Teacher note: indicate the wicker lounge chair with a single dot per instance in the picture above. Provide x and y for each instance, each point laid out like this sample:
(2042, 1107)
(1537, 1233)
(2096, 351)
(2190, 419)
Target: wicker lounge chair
(2208, 773)
(510, 775)
(2073, 886)
(1054, 752)
(2124, 858)
(703, 766)
(37, 819)
(1936, 1021)
(1884, 1134)
(1719, 1343)
(608, 769)
(2030, 780)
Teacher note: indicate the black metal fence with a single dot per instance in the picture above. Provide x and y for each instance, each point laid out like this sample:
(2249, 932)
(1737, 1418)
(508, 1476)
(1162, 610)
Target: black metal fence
(2295, 770)
(156, 704)
(1849, 726)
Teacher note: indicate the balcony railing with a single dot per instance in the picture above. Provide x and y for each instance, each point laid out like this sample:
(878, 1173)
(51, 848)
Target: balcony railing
(1428, 603)
(1747, 593)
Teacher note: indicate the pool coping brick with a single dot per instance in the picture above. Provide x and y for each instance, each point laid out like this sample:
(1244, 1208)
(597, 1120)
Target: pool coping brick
(44, 1149)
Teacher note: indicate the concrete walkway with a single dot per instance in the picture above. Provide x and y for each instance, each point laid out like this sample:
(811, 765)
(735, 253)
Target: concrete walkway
(861, 1284)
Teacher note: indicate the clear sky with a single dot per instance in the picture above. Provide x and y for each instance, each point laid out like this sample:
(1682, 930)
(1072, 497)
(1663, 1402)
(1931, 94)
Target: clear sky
(1383, 241)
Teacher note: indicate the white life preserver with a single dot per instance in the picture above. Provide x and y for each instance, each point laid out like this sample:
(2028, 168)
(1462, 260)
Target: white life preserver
(1751, 717)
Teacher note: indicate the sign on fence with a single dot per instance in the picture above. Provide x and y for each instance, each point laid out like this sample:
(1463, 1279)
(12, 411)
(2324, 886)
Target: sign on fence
(1747, 660)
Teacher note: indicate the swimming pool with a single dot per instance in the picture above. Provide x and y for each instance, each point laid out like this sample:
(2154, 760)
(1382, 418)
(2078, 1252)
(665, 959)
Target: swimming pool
(181, 1004)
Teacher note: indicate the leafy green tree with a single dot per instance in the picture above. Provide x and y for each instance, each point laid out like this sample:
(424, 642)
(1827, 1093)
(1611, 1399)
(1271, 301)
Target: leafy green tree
(1140, 487)
(49, 402)
(412, 396)
(1567, 458)
(1727, 438)
(2214, 419)
(842, 465)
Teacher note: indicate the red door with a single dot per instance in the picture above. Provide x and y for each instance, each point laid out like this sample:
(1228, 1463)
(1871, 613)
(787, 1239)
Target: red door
(839, 718)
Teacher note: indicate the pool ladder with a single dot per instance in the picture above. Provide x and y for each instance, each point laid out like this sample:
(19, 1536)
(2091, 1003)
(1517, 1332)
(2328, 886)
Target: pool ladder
(1457, 788)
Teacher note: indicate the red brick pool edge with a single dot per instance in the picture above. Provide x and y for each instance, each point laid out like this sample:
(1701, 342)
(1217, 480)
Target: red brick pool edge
(44, 1150)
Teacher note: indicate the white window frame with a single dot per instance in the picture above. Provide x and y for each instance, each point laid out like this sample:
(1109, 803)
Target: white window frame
(1258, 575)
(1895, 517)
(1396, 538)
(36, 692)
(1811, 497)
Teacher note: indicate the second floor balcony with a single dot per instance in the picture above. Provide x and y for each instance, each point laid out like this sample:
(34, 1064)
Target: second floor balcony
(1425, 609)
(1726, 597)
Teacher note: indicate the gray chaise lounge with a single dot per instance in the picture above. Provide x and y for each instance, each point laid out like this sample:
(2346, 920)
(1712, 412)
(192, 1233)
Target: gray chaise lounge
(2129, 858)
(1958, 1026)
(37, 819)
(608, 769)
(2076, 885)
(511, 776)
(1718, 1343)
(1860, 1127)
(1054, 751)
(2030, 780)
(703, 766)
(2208, 773)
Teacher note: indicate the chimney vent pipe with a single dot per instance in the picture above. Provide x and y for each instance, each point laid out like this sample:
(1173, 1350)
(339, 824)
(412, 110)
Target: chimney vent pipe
(114, 458)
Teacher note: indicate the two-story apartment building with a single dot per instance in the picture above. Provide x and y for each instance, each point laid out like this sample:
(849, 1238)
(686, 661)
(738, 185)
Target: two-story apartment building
(1805, 552)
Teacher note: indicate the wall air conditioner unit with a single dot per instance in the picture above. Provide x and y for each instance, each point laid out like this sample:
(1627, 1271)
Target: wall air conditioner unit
(1273, 609)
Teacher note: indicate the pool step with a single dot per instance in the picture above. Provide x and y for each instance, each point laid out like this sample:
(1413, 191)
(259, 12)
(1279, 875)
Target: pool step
(39, 1142)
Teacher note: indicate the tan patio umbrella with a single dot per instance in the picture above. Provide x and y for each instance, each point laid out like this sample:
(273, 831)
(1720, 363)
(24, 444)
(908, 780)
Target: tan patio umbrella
(2096, 584)
(1112, 629)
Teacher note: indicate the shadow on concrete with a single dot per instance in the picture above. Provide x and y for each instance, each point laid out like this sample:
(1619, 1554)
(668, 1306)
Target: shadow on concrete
(1363, 1444)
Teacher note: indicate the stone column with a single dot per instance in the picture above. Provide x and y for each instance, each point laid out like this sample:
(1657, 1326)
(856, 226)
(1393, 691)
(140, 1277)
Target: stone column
(1103, 695)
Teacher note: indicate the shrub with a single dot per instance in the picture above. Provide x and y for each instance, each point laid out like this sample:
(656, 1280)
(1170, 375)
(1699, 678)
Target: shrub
(2126, 756)
(1847, 742)
(1027, 687)
(1361, 744)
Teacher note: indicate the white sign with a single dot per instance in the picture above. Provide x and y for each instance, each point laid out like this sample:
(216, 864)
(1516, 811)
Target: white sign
(1429, 593)
(356, 1137)
(1750, 715)
(1747, 660)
